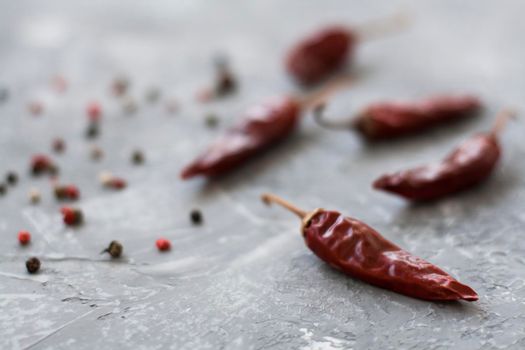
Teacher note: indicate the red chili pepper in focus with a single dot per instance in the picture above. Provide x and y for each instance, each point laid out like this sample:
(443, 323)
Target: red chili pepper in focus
(387, 120)
(325, 51)
(358, 250)
(264, 126)
(469, 164)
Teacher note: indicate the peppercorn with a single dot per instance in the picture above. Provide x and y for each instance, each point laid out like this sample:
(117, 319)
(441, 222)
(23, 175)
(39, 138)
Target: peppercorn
(172, 106)
(117, 183)
(33, 265)
(152, 94)
(69, 192)
(71, 216)
(42, 164)
(94, 111)
(58, 145)
(114, 249)
(24, 237)
(96, 153)
(129, 105)
(196, 217)
(163, 244)
(34, 196)
(211, 120)
(120, 85)
(35, 108)
(137, 157)
(3, 189)
(92, 130)
(226, 82)
(12, 178)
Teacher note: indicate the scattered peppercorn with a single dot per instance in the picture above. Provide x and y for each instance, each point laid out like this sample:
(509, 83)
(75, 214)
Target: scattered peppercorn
(68, 192)
(92, 130)
(94, 111)
(172, 106)
(108, 180)
(152, 94)
(58, 145)
(3, 189)
(42, 164)
(33, 265)
(72, 216)
(211, 121)
(137, 157)
(120, 85)
(163, 244)
(12, 178)
(59, 84)
(114, 249)
(96, 153)
(226, 82)
(196, 217)
(24, 237)
(36, 108)
(129, 106)
(34, 196)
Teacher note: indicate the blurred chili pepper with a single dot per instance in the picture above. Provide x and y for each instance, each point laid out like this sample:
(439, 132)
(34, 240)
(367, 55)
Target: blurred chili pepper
(387, 120)
(360, 251)
(264, 126)
(469, 164)
(325, 51)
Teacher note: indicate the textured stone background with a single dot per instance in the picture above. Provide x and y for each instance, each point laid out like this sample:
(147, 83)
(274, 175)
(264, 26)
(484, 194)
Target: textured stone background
(244, 280)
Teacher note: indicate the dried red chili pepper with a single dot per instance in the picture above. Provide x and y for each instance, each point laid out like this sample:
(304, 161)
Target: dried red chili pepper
(358, 250)
(386, 120)
(325, 51)
(466, 166)
(263, 127)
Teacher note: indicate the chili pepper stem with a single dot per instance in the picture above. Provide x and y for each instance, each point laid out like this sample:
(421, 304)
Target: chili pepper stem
(320, 96)
(501, 120)
(269, 198)
(377, 28)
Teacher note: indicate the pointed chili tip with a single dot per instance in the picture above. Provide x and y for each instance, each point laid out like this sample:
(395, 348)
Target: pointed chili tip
(501, 120)
(189, 172)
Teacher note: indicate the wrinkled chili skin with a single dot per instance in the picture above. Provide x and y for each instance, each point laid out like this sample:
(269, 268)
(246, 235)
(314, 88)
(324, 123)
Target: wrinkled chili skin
(321, 54)
(468, 165)
(386, 120)
(358, 250)
(264, 126)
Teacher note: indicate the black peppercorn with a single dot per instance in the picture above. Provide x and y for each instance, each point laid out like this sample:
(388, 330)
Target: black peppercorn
(33, 265)
(226, 82)
(211, 120)
(114, 249)
(137, 157)
(196, 217)
(3, 189)
(92, 130)
(12, 178)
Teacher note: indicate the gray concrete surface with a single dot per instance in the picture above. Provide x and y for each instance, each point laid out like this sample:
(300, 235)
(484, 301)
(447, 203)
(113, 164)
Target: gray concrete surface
(244, 280)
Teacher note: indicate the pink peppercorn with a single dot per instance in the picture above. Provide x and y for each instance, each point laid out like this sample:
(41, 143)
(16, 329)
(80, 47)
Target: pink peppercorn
(94, 111)
(117, 183)
(163, 244)
(71, 217)
(24, 237)
(72, 192)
